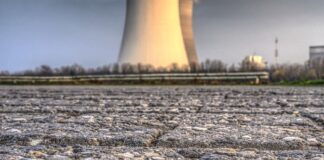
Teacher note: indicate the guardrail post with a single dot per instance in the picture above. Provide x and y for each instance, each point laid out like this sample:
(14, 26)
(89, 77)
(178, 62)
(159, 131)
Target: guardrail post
(257, 80)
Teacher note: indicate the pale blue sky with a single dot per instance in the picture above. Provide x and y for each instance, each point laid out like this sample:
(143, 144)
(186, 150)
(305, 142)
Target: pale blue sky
(89, 32)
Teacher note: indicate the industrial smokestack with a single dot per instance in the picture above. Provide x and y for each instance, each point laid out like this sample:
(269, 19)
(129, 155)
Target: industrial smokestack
(158, 32)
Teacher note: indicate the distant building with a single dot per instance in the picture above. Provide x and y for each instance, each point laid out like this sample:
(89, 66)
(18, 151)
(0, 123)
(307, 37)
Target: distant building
(316, 53)
(254, 62)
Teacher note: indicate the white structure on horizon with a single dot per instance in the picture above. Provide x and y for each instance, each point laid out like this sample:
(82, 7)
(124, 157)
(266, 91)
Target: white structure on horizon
(254, 62)
(159, 33)
(316, 53)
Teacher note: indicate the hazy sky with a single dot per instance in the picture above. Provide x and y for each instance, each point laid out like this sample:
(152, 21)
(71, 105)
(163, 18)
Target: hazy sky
(89, 32)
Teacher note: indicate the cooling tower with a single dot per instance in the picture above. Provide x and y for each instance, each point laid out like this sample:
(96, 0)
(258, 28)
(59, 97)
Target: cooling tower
(158, 32)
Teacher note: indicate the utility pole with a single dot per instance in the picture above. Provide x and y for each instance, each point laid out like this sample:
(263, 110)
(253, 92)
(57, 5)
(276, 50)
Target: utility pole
(277, 50)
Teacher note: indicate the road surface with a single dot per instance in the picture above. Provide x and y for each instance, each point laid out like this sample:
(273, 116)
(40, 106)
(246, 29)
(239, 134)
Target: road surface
(161, 122)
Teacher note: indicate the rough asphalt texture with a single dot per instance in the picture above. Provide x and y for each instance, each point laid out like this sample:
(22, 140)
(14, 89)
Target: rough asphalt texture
(61, 123)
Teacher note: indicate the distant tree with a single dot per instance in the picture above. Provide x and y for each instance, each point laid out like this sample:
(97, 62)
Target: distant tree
(139, 68)
(73, 70)
(116, 68)
(291, 72)
(104, 70)
(149, 69)
(44, 70)
(77, 69)
(232, 68)
(206, 66)
(161, 70)
(175, 68)
(318, 66)
(128, 68)
(311, 74)
(311, 70)
(194, 67)
(94, 71)
(185, 69)
(25, 73)
(217, 66)
(64, 71)
(248, 67)
(4, 73)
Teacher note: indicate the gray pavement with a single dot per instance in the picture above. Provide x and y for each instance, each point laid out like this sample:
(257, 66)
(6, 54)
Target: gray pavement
(51, 122)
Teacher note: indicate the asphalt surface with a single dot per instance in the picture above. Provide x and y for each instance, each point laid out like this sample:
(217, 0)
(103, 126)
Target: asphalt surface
(161, 122)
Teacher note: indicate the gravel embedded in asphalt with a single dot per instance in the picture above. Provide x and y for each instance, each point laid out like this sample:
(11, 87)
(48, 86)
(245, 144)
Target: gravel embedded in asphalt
(71, 122)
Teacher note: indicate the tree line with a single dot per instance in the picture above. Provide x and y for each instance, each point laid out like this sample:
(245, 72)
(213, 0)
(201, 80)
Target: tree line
(311, 70)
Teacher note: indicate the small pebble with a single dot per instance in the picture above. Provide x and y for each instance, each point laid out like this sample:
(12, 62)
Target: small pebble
(199, 128)
(14, 131)
(35, 142)
(246, 137)
(58, 157)
(293, 139)
(20, 120)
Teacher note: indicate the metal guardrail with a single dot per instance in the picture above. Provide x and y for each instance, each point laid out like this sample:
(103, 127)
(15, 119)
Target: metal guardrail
(256, 77)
